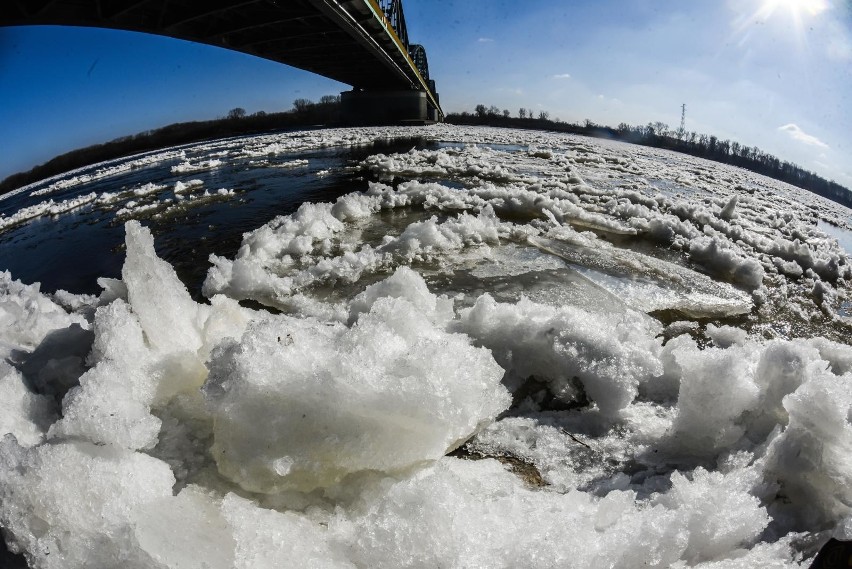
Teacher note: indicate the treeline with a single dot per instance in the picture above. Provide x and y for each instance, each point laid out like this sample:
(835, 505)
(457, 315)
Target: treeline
(659, 135)
(236, 122)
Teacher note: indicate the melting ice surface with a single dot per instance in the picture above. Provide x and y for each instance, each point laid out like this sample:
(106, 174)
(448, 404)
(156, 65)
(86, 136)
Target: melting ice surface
(509, 351)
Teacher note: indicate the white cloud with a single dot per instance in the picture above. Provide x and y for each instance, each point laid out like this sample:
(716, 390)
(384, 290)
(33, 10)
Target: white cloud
(798, 134)
(562, 76)
(485, 40)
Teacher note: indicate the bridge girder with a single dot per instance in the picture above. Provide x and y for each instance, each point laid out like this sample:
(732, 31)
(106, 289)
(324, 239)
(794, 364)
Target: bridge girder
(362, 43)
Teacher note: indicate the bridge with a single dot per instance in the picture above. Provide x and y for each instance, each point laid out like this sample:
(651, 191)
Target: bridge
(362, 43)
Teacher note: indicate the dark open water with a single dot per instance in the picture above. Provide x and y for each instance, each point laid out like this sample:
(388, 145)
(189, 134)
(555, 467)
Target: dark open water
(71, 251)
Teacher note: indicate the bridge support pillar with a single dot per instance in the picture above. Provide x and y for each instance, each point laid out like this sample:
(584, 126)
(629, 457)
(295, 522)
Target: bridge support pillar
(385, 107)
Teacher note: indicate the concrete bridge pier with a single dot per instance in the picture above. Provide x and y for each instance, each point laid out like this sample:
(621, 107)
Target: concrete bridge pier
(360, 108)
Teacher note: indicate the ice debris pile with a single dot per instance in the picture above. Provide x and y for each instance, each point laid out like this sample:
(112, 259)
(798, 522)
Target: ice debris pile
(491, 358)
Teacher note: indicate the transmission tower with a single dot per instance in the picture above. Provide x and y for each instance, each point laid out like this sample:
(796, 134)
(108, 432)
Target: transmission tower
(682, 130)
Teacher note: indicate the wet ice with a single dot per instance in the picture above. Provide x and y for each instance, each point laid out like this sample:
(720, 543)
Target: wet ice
(621, 376)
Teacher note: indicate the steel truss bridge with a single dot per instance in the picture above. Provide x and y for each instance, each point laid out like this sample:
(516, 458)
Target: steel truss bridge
(362, 43)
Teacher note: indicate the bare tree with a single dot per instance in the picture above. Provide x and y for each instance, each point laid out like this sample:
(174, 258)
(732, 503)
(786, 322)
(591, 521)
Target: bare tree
(522, 113)
(735, 148)
(301, 105)
(237, 113)
(660, 128)
(543, 115)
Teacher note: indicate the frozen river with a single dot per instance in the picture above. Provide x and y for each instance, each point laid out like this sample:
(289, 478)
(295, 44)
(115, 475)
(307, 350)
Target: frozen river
(423, 347)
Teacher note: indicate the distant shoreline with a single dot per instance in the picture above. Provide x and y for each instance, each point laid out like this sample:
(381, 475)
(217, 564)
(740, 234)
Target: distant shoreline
(237, 123)
(326, 113)
(657, 135)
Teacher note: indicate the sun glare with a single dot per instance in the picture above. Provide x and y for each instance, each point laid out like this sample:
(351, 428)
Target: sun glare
(795, 13)
(797, 8)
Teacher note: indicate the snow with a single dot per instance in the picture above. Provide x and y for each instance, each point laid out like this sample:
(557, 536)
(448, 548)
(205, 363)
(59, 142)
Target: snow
(181, 187)
(188, 167)
(48, 207)
(383, 395)
(97, 172)
(609, 360)
(96, 492)
(563, 352)
(27, 316)
(25, 414)
(291, 164)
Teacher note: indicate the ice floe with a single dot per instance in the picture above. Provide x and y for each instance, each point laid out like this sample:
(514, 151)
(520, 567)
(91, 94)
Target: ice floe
(522, 349)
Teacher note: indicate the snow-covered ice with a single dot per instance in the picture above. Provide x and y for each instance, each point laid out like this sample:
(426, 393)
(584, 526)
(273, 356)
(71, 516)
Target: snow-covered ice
(522, 349)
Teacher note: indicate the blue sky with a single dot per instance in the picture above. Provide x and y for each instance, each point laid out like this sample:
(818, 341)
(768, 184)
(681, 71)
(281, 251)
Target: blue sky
(772, 73)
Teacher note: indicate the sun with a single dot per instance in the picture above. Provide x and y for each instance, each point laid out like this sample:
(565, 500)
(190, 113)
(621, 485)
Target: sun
(796, 8)
(793, 13)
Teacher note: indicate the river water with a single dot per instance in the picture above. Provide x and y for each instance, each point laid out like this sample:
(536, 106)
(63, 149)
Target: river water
(71, 251)
(435, 346)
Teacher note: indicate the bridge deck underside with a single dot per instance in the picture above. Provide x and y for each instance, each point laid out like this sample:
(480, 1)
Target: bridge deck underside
(294, 32)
